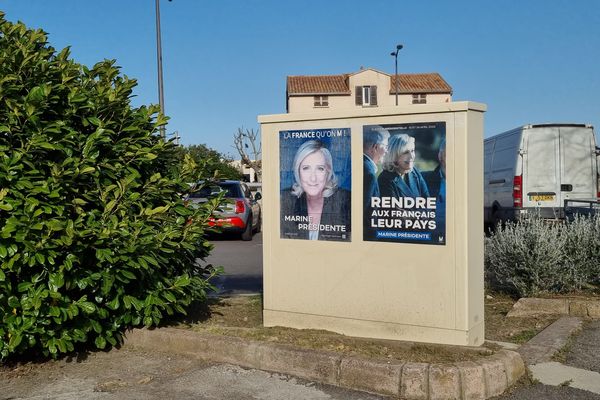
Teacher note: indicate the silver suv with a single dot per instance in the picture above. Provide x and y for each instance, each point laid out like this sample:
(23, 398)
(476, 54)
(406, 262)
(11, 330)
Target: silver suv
(239, 213)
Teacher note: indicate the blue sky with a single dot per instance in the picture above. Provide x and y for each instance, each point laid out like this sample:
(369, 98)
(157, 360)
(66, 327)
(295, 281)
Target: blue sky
(226, 61)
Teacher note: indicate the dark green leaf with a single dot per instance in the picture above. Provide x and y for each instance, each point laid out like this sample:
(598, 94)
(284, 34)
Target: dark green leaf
(14, 302)
(87, 307)
(94, 121)
(100, 342)
(182, 281)
(15, 340)
(114, 304)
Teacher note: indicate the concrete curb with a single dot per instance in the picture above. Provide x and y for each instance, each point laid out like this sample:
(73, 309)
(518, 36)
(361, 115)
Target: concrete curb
(527, 306)
(548, 342)
(482, 379)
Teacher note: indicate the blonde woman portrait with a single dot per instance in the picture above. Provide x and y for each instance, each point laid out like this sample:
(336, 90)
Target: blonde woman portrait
(400, 177)
(315, 207)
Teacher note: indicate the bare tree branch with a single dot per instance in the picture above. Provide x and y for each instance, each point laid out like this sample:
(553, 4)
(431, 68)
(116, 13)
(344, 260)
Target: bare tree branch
(248, 145)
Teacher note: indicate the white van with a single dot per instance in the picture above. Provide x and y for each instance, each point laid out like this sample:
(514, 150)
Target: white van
(535, 168)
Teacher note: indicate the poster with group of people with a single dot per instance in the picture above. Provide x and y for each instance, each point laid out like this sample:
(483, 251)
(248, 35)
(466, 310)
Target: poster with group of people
(404, 183)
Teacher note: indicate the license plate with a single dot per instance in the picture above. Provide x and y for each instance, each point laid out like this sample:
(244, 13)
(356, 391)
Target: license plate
(542, 197)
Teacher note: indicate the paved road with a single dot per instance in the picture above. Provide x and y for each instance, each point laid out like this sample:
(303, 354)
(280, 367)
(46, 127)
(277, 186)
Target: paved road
(242, 262)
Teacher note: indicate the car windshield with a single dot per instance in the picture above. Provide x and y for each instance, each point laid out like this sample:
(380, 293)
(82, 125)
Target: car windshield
(212, 190)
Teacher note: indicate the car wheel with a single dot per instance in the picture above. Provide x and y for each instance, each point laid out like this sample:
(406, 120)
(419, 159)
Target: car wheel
(258, 224)
(247, 234)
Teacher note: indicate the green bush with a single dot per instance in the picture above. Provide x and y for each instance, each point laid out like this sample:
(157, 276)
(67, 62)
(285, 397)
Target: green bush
(94, 238)
(213, 163)
(533, 256)
(582, 249)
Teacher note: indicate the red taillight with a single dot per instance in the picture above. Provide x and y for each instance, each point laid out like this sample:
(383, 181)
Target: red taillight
(240, 207)
(518, 191)
(227, 222)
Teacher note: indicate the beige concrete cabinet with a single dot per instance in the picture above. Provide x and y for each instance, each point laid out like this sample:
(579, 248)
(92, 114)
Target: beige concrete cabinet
(405, 291)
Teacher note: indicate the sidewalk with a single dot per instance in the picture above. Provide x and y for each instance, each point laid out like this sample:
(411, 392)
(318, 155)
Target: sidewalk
(580, 366)
(554, 356)
(137, 375)
(179, 364)
(484, 378)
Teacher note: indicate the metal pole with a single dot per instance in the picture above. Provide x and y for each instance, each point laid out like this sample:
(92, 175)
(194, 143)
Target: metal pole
(396, 77)
(395, 54)
(161, 96)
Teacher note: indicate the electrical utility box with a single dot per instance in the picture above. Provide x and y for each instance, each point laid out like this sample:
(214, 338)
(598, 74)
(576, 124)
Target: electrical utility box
(373, 222)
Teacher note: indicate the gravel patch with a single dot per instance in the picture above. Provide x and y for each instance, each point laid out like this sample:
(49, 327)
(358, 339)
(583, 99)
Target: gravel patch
(584, 350)
(543, 392)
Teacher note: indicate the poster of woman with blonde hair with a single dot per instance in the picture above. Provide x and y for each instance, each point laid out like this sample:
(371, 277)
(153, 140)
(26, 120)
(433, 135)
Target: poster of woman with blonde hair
(315, 184)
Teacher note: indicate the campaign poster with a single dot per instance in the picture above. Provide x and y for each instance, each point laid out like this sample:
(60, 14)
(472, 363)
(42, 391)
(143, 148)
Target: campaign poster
(404, 183)
(315, 184)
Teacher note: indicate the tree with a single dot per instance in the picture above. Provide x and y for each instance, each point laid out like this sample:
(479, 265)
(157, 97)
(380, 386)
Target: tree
(94, 235)
(248, 146)
(213, 164)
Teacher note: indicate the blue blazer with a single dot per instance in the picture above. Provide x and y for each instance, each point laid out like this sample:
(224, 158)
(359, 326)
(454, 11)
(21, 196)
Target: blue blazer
(434, 180)
(392, 185)
(370, 185)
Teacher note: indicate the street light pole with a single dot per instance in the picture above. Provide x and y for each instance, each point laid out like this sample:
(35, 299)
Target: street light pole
(161, 95)
(395, 55)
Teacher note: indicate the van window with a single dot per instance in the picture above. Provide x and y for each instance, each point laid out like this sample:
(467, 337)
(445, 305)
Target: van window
(230, 189)
(576, 144)
(206, 192)
(505, 156)
(542, 163)
(488, 150)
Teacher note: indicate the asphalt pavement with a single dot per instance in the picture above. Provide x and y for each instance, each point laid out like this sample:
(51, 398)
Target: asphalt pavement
(127, 374)
(582, 361)
(123, 374)
(544, 392)
(584, 351)
(242, 262)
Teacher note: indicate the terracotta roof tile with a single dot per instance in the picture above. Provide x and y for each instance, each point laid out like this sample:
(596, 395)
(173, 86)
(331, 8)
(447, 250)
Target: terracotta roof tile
(339, 84)
(318, 84)
(420, 83)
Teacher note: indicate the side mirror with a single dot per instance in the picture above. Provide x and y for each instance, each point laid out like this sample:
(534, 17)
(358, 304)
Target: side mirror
(257, 196)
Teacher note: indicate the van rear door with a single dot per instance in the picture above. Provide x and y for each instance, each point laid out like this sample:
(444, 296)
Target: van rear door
(541, 169)
(577, 169)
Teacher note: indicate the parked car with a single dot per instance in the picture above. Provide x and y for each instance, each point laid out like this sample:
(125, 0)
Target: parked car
(537, 169)
(240, 213)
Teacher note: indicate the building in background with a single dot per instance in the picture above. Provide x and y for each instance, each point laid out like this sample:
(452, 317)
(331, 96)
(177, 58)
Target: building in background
(248, 173)
(365, 88)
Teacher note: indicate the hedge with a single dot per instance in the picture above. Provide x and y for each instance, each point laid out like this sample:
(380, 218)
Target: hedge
(94, 235)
